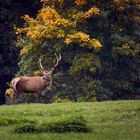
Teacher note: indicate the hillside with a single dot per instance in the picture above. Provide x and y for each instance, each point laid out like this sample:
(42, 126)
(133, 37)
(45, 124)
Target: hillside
(117, 120)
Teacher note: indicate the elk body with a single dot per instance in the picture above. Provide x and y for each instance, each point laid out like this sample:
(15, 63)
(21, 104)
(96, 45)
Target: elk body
(34, 84)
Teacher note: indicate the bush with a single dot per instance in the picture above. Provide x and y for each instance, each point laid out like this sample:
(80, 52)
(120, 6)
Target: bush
(28, 128)
(70, 125)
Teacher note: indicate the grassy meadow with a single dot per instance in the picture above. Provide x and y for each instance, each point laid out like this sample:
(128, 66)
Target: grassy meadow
(113, 120)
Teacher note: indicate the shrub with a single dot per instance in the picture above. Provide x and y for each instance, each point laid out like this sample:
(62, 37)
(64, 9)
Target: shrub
(28, 128)
(69, 125)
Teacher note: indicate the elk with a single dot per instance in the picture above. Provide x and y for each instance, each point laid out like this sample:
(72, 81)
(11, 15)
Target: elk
(34, 84)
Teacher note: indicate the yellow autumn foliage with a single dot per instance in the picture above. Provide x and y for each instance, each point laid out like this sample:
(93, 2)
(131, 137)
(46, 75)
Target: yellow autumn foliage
(28, 19)
(96, 44)
(48, 15)
(59, 2)
(85, 15)
(84, 39)
(79, 36)
(81, 2)
(9, 91)
(50, 24)
(92, 11)
(37, 72)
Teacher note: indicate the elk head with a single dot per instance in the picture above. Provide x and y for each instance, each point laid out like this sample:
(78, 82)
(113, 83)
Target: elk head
(48, 73)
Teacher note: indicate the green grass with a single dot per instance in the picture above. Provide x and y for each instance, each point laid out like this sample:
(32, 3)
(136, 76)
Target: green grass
(118, 120)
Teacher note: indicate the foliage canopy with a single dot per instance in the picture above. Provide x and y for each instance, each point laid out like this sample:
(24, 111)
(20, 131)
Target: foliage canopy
(99, 44)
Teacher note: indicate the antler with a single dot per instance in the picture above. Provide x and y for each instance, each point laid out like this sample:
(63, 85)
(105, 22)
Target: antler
(40, 64)
(58, 58)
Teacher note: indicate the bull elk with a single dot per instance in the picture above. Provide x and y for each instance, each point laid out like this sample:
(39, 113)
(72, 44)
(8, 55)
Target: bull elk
(34, 84)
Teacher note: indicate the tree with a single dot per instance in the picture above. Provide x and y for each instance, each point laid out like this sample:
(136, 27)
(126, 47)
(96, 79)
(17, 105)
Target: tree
(99, 43)
(10, 13)
(54, 30)
(119, 24)
(127, 48)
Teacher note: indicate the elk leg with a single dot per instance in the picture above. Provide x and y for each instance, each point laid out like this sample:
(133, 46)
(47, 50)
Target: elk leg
(38, 97)
(13, 99)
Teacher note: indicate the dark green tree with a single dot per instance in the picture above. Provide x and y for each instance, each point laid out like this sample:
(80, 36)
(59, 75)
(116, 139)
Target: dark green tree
(119, 27)
(10, 13)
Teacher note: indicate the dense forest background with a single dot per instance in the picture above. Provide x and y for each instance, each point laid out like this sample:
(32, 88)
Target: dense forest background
(85, 73)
